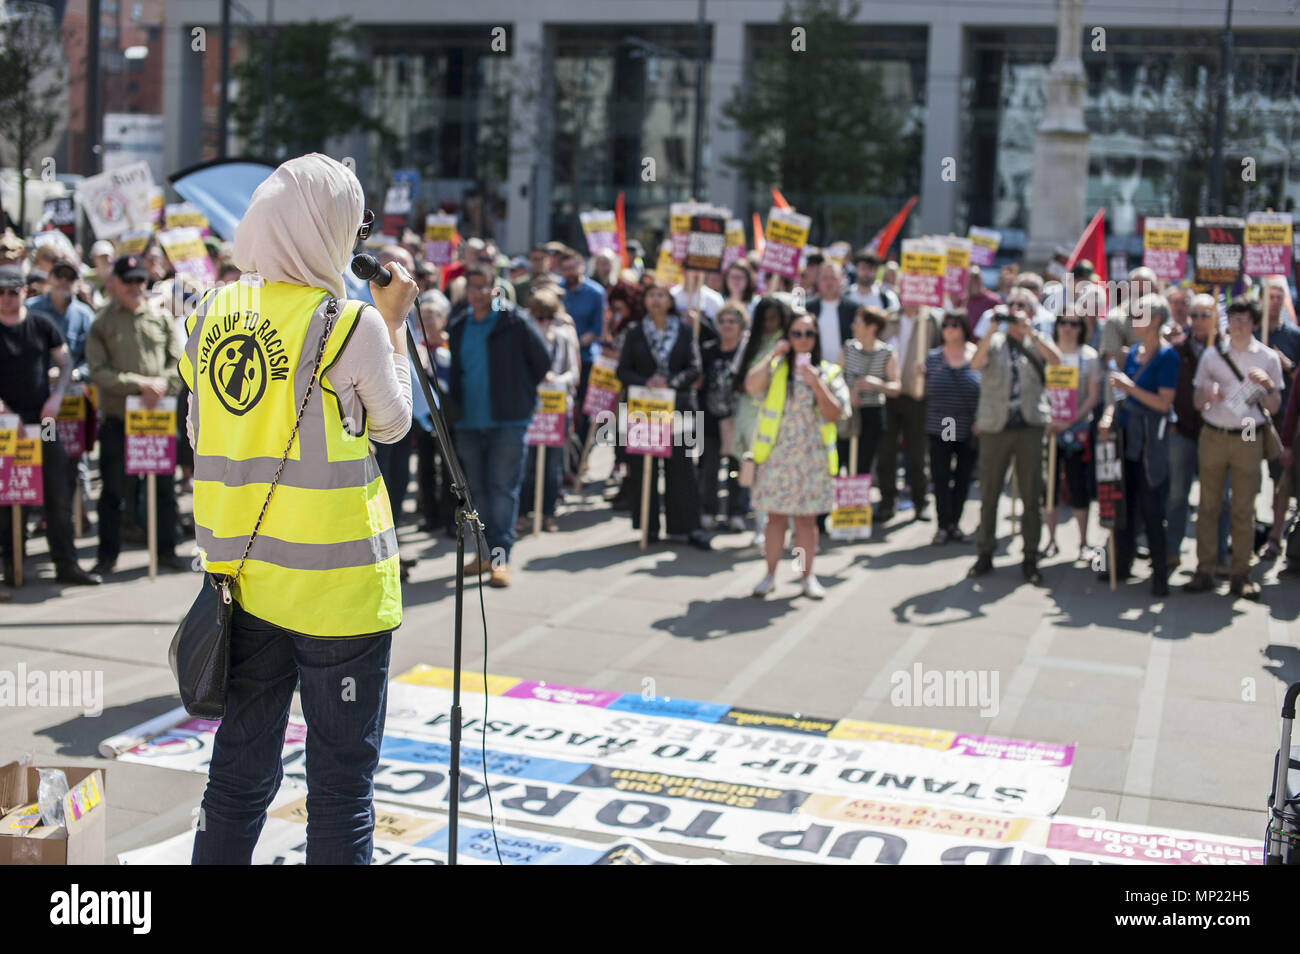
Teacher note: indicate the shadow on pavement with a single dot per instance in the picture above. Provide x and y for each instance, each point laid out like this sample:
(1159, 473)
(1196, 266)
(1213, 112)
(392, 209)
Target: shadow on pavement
(80, 737)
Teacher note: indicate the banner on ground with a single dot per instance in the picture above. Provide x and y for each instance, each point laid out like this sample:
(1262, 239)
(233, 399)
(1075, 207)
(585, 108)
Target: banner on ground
(1268, 243)
(957, 267)
(187, 253)
(706, 243)
(984, 245)
(20, 471)
(1219, 240)
(787, 233)
(439, 238)
(1062, 386)
(546, 429)
(1164, 247)
(600, 228)
(709, 775)
(150, 436)
(921, 272)
(603, 387)
(650, 421)
(118, 200)
(850, 517)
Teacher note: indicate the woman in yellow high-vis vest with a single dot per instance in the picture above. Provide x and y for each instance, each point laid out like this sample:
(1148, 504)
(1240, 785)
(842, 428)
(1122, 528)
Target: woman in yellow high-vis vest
(794, 445)
(317, 594)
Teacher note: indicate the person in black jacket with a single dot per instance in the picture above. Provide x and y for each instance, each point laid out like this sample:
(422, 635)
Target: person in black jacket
(498, 358)
(660, 352)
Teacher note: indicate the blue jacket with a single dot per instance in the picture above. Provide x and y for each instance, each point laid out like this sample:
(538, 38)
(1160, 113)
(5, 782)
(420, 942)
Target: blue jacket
(73, 323)
(517, 362)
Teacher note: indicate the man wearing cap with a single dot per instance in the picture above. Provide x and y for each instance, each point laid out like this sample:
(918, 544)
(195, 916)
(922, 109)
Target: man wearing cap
(69, 314)
(131, 349)
(30, 345)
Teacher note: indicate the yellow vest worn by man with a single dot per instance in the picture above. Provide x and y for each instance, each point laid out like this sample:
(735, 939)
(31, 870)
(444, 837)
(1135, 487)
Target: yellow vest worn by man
(769, 415)
(325, 562)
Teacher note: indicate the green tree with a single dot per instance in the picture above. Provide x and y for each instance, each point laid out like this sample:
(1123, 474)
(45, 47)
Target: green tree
(816, 118)
(316, 90)
(32, 88)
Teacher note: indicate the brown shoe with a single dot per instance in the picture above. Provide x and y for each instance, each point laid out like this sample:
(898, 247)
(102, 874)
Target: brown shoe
(1199, 583)
(474, 566)
(500, 577)
(1242, 587)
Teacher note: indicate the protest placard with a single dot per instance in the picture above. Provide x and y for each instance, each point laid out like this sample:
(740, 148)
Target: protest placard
(850, 517)
(134, 241)
(679, 225)
(150, 436)
(187, 253)
(1268, 243)
(20, 476)
(735, 248)
(1218, 255)
(547, 426)
(183, 215)
(439, 238)
(957, 267)
(667, 271)
(920, 277)
(705, 243)
(602, 387)
(118, 200)
(650, 421)
(600, 229)
(71, 422)
(1062, 387)
(1110, 482)
(787, 233)
(984, 245)
(1164, 247)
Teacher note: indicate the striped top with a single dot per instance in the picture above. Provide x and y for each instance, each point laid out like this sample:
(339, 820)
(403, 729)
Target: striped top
(858, 363)
(950, 393)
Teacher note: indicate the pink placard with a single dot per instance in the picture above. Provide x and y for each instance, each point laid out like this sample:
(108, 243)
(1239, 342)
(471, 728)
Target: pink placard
(599, 400)
(1015, 750)
(1168, 264)
(1161, 847)
(567, 695)
(72, 436)
(954, 281)
(150, 453)
(546, 430)
(1065, 404)
(920, 289)
(780, 260)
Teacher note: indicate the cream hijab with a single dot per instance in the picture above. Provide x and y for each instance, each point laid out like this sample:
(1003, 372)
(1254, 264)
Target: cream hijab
(301, 224)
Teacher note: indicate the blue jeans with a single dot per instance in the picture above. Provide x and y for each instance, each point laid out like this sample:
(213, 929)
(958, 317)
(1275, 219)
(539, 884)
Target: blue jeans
(1183, 468)
(344, 693)
(493, 458)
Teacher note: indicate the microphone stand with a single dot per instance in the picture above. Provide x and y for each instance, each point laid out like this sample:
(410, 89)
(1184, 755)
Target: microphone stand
(466, 517)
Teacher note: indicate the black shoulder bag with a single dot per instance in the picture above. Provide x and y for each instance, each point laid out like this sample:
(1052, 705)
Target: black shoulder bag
(200, 651)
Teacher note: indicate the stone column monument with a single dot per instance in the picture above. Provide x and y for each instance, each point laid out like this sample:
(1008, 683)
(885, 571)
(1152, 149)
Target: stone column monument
(1060, 145)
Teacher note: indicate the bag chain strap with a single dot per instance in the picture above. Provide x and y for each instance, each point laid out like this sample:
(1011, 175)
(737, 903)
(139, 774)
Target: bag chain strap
(331, 312)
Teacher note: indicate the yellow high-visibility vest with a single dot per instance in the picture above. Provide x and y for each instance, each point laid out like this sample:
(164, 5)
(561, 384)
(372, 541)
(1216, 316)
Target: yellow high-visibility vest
(769, 415)
(325, 562)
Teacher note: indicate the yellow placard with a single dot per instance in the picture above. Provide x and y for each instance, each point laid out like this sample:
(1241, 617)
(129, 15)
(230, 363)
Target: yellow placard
(861, 811)
(655, 409)
(924, 263)
(1171, 240)
(958, 255)
(73, 408)
(736, 233)
(985, 239)
(553, 401)
(846, 518)
(184, 250)
(133, 243)
(8, 442)
(27, 452)
(439, 231)
(150, 423)
(1062, 376)
(440, 678)
(667, 271)
(1268, 233)
(186, 220)
(786, 233)
(603, 378)
(859, 731)
(595, 223)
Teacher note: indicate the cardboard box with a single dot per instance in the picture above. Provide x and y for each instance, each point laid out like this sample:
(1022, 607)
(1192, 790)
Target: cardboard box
(85, 807)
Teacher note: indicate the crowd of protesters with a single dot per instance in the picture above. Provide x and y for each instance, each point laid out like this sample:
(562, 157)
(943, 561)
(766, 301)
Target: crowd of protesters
(794, 382)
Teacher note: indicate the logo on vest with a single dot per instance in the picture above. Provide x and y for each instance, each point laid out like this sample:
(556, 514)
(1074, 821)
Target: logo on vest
(239, 366)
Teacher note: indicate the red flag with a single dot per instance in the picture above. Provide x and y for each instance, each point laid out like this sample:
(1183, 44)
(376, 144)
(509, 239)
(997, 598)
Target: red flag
(779, 200)
(620, 223)
(759, 241)
(885, 237)
(1092, 246)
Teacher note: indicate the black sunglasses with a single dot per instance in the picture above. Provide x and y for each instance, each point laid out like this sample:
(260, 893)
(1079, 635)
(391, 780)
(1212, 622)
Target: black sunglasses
(803, 334)
(133, 281)
(1070, 324)
(367, 223)
(11, 291)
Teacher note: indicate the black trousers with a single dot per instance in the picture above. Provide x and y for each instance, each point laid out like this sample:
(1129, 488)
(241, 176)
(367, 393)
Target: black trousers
(711, 459)
(1146, 504)
(904, 417)
(437, 502)
(871, 426)
(394, 462)
(682, 497)
(57, 482)
(112, 469)
(951, 465)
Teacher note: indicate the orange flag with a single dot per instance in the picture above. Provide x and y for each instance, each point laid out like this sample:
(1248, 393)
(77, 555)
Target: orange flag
(759, 241)
(778, 199)
(620, 223)
(1092, 246)
(885, 237)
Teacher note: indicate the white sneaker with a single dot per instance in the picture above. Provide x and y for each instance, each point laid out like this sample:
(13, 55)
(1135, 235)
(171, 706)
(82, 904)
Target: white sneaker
(765, 586)
(812, 589)
(760, 535)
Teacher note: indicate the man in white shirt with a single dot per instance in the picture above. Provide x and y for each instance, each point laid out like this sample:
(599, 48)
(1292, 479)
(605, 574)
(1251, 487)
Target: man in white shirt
(705, 299)
(1231, 442)
(832, 312)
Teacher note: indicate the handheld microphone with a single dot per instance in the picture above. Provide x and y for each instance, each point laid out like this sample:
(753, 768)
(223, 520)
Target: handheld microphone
(367, 268)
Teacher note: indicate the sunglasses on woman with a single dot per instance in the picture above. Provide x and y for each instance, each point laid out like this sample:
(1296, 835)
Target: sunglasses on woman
(367, 223)
(803, 334)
